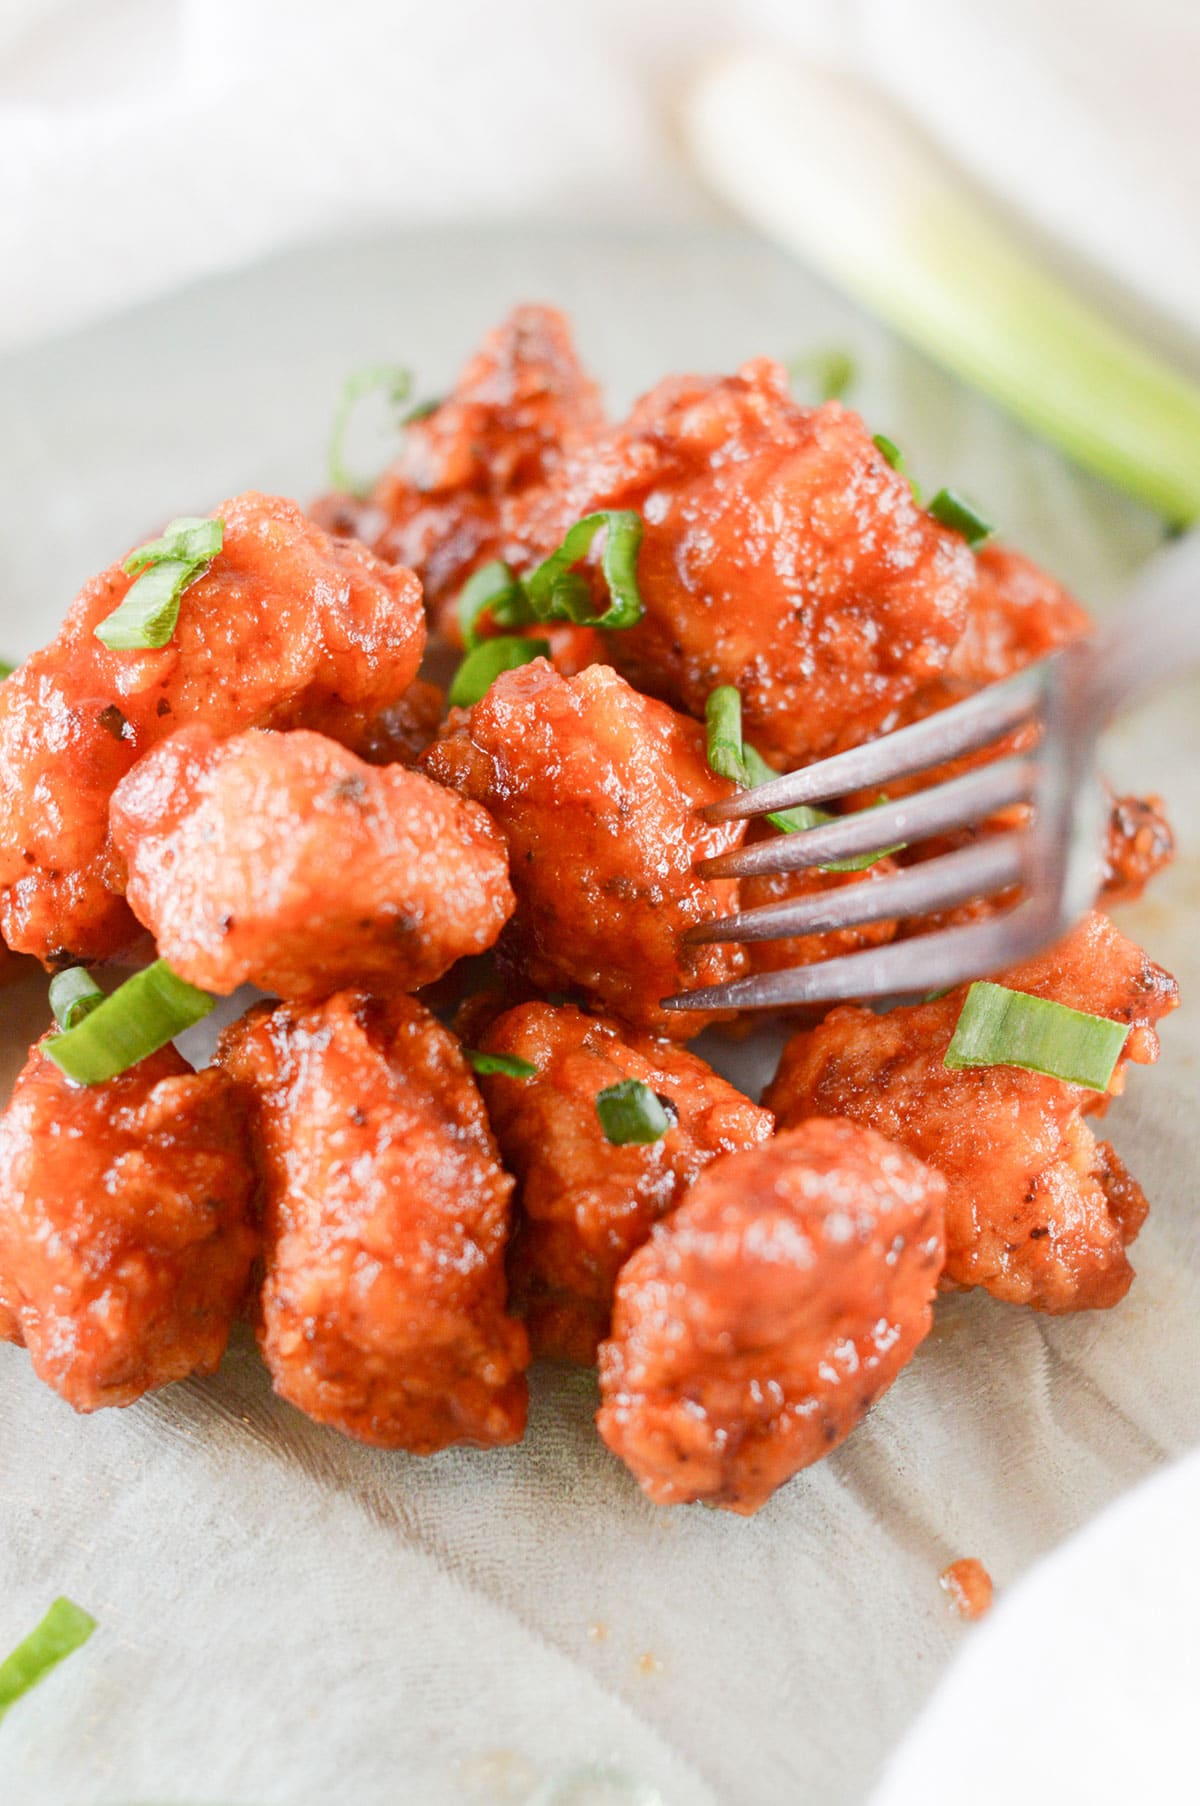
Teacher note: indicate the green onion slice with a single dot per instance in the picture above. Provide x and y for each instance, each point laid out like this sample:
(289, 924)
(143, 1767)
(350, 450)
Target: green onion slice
(422, 410)
(150, 612)
(726, 749)
(391, 380)
(831, 373)
(6, 670)
(631, 1113)
(492, 590)
(508, 1065)
(192, 539)
(732, 757)
(889, 449)
(554, 596)
(74, 994)
(999, 1027)
(484, 663)
(147, 1011)
(65, 1628)
(961, 516)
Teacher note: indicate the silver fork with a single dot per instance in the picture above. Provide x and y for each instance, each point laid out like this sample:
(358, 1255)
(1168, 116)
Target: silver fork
(1056, 860)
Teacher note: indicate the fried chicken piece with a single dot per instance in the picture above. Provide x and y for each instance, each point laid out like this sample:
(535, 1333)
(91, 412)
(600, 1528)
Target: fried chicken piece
(782, 553)
(125, 1237)
(282, 860)
(1037, 1211)
(585, 1204)
(522, 400)
(596, 790)
(1140, 844)
(763, 1319)
(386, 1213)
(1016, 614)
(287, 628)
(807, 949)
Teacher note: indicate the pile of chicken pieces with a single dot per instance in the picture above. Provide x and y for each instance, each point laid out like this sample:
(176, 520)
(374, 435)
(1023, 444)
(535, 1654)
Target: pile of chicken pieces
(277, 797)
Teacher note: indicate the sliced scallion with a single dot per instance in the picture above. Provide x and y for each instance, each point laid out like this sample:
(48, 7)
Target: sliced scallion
(829, 374)
(192, 539)
(961, 516)
(394, 382)
(554, 596)
(74, 994)
(507, 1065)
(150, 611)
(422, 410)
(631, 1113)
(484, 663)
(723, 725)
(6, 670)
(492, 590)
(64, 1629)
(889, 450)
(146, 1012)
(732, 757)
(999, 1027)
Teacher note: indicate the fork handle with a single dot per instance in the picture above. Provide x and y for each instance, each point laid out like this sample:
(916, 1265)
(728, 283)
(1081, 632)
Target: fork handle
(1157, 637)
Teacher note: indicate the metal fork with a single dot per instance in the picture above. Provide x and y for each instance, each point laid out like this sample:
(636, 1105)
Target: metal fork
(1056, 860)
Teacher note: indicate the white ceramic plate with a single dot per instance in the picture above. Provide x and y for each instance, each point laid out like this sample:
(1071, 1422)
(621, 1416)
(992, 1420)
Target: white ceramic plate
(289, 1617)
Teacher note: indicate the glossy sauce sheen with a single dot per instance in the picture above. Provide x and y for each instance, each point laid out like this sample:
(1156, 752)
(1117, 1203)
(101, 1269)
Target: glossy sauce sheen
(781, 553)
(585, 1205)
(764, 1317)
(596, 790)
(1037, 1210)
(125, 1233)
(522, 401)
(282, 860)
(385, 1217)
(288, 628)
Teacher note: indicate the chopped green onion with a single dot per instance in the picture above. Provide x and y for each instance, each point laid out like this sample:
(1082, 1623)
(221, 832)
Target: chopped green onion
(492, 590)
(484, 663)
(422, 410)
(150, 612)
(631, 1113)
(955, 512)
(147, 1011)
(552, 594)
(723, 722)
(732, 757)
(999, 1027)
(74, 994)
(192, 539)
(830, 373)
(508, 1065)
(393, 381)
(64, 1629)
(889, 449)
(6, 670)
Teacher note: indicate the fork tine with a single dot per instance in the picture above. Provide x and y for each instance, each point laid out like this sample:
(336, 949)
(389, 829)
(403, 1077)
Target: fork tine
(975, 871)
(964, 728)
(928, 962)
(954, 804)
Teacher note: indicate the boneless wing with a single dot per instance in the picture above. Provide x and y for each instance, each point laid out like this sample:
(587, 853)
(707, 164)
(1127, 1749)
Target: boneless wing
(125, 1236)
(1037, 1210)
(287, 628)
(385, 1218)
(765, 1316)
(284, 861)
(781, 553)
(585, 1204)
(521, 401)
(597, 791)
